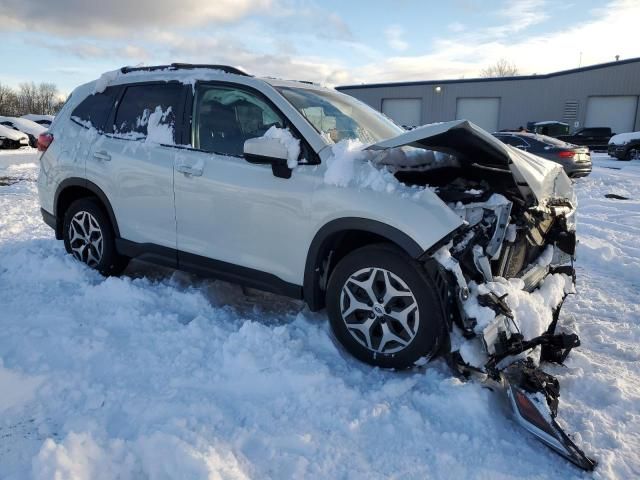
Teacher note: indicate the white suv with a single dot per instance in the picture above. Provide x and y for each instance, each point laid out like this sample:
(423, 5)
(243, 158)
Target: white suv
(210, 170)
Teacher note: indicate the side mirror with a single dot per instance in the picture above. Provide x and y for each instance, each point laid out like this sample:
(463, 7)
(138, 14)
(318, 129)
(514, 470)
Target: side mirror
(268, 151)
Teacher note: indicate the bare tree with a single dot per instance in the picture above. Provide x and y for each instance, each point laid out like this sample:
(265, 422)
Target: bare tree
(29, 98)
(502, 68)
(9, 104)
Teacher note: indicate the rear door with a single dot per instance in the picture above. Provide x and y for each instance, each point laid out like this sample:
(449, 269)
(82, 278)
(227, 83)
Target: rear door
(133, 161)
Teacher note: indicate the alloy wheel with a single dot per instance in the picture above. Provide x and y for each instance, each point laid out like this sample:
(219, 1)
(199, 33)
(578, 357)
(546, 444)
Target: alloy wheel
(85, 238)
(379, 310)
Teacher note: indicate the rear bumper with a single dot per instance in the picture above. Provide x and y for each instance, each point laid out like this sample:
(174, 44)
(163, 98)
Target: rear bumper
(579, 169)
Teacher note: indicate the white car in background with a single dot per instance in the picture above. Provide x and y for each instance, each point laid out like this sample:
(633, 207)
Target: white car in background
(625, 146)
(29, 128)
(44, 120)
(10, 138)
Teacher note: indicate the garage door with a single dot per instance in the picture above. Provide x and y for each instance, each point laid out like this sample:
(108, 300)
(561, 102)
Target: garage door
(481, 111)
(619, 113)
(403, 111)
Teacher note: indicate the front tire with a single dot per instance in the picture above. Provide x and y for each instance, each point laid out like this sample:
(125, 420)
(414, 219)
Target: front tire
(384, 308)
(89, 237)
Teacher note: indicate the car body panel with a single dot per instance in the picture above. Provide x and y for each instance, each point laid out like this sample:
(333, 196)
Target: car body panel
(138, 179)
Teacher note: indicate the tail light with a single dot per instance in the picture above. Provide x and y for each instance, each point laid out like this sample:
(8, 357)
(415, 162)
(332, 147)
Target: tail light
(566, 154)
(44, 140)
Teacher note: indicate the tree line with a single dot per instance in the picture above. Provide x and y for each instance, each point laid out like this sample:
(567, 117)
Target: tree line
(29, 97)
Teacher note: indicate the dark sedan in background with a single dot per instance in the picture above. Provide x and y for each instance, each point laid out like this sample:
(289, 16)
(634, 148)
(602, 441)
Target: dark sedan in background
(576, 160)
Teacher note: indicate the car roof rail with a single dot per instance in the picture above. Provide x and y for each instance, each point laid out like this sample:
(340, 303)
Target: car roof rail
(185, 66)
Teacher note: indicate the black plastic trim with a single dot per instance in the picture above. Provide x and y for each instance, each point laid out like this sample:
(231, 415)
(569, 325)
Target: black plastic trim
(186, 66)
(319, 249)
(48, 218)
(208, 267)
(93, 188)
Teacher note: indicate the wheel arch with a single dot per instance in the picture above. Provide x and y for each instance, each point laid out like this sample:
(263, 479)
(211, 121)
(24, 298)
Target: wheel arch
(339, 237)
(74, 188)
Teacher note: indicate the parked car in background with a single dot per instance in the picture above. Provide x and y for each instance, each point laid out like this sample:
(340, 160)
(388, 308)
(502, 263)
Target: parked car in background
(575, 160)
(44, 120)
(596, 138)
(11, 138)
(551, 128)
(625, 146)
(29, 128)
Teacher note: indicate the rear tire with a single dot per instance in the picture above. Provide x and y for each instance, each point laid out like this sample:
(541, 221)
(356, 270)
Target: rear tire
(384, 308)
(89, 237)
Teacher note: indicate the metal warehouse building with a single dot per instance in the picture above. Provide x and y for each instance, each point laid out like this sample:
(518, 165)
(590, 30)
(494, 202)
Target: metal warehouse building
(604, 95)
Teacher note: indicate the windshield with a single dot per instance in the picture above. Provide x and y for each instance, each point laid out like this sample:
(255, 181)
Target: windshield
(337, 116)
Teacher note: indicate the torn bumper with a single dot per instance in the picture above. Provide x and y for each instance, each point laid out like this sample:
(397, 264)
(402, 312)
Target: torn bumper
(533, 398)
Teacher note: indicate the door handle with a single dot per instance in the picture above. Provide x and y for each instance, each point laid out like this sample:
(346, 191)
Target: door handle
(104, 156)
(189, 170)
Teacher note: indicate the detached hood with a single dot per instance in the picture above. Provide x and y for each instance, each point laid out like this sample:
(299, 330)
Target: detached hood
(473, 146)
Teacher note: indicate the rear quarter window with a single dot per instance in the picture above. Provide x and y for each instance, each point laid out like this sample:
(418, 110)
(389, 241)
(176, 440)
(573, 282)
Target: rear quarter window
(152, 110)
(94, 110)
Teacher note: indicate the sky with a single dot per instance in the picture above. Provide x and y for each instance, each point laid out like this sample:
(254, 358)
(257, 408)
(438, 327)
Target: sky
(334, 42)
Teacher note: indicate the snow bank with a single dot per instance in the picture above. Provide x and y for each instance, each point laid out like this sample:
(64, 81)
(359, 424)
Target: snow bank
(159, 372)
(291, 143)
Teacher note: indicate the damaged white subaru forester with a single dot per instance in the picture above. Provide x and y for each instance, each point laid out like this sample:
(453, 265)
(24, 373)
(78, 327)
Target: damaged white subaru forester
(436, 241)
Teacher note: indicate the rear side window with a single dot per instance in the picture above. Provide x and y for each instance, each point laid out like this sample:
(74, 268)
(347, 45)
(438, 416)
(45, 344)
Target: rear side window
(94, 110)
(513, 140)
(149, 111)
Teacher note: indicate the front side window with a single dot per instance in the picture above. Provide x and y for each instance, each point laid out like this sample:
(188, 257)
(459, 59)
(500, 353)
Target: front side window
(149, 110)
(339, 117)
(94, 110)
(224, 117)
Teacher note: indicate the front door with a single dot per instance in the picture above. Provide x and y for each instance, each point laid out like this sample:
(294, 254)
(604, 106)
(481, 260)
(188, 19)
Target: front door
(233, 216)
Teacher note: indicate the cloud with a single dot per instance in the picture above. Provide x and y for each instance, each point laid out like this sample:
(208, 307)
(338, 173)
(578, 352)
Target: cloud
(112, 18)
(394, 35)
(520, 15)
(611, 32)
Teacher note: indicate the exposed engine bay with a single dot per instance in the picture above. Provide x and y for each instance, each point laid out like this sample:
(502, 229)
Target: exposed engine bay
(508, 268)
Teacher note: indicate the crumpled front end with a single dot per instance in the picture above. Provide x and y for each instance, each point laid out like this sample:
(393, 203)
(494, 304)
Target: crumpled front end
(509, 275)
(509, 267)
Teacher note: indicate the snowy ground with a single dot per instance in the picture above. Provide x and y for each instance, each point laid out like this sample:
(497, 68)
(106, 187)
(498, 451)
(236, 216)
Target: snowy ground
(161, 375)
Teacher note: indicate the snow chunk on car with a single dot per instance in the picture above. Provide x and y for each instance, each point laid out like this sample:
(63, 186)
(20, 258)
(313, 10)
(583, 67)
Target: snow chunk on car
(623, 138)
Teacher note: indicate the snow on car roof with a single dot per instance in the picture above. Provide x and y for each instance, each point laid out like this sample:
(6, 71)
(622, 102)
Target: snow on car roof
(10, 133)
(550, 122)
(187, 75)
(624, 137)
(25, 125)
